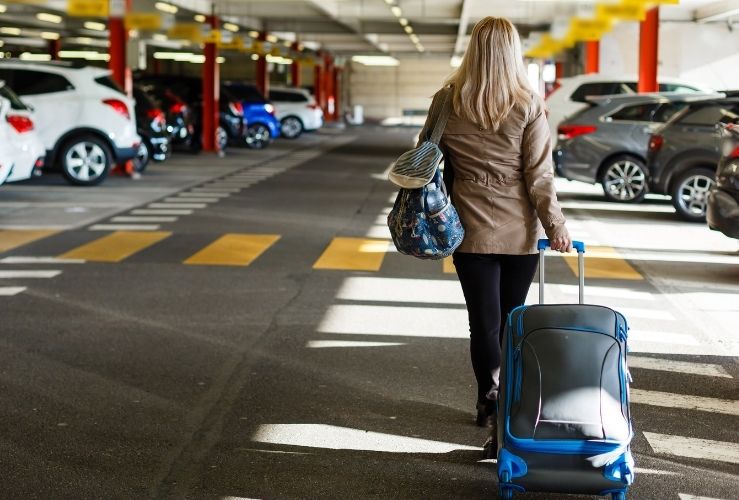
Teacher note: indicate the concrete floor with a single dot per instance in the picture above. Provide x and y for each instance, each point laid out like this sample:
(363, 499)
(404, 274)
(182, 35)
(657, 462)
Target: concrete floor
(152, 377)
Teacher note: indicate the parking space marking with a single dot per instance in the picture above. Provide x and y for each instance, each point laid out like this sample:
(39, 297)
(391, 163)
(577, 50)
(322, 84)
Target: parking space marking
(199, 195)
(39, 260)
(682, 446)
(191, 200)
(234, 250)
(353, 254)
(321, 344)
(124, 227)
(685, 401)
(685, 496)
(177, 205)
(116, 246)
(143, 218)
(215, 189)
(668, 365)
(9, 291)
(604, 262)
(158, 211)
(24, 274)
(14, 238)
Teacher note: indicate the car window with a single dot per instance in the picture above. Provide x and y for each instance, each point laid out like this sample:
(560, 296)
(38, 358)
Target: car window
(709, 115)
(29, 82)
(15, 102)
(636, 113)
(107, 81)
(672, 87)
(246, 93)
(626, 88)
(667, 111)
(277, 95)
(594, 89)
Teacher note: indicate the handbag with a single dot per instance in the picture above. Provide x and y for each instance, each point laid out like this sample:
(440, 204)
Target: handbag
(424, 223)
(415, 168)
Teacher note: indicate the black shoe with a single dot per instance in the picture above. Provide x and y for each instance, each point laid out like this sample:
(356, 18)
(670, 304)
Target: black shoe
(490, 448)
(486, 413)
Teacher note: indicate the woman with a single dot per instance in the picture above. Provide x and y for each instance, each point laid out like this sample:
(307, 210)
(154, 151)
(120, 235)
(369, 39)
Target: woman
(497, 149)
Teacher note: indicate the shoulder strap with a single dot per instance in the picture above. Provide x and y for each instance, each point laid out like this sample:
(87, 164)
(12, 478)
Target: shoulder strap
(441, 120)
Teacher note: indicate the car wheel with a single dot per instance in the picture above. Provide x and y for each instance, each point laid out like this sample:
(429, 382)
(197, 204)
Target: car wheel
(86, 160)
(624, 179)
(221, 139)
(690, 193)
(257, 136)
(291, 127)
(143, 157)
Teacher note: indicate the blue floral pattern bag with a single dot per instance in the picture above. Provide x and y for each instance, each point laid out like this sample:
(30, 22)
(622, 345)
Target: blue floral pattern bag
(424, 223)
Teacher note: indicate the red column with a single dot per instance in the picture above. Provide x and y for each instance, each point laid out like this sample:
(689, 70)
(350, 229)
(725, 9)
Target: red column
(117, 63)
(328, 90)
(337, 93)
(648, 51)
(262, 69)
(318, 84)
(295, 68)
(211, 89)
(54, 48)
(592, 57)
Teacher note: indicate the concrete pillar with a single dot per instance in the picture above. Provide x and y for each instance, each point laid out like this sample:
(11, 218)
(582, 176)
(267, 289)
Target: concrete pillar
(318, 85)
(592, 57)
(262, 79)
(295, 70)
(211, 90)
(648, 51)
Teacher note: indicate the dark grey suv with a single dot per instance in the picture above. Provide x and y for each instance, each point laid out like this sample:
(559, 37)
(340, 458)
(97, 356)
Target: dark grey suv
(607, 142)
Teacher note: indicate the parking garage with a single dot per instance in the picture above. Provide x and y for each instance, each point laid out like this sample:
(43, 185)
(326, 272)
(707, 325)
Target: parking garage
(199, 292)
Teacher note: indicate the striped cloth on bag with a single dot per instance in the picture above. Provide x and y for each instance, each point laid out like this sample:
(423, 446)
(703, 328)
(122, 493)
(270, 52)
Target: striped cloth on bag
(416, 168)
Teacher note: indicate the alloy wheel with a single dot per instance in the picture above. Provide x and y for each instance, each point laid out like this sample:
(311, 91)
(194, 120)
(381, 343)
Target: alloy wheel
(221, 138)
(291, 127)
(85, 161)
(624, 180)
(257, 136)
(142, 157)
(693, 194)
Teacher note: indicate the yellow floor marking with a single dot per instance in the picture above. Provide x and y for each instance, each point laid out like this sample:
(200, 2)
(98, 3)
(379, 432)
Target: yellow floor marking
(353, 254)
(234, 250)
(116, 246)
(449, 266)
(604, 262)
(14, 238)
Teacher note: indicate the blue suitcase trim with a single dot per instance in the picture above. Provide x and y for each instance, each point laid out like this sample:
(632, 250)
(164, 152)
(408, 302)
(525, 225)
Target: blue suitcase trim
(511, 464)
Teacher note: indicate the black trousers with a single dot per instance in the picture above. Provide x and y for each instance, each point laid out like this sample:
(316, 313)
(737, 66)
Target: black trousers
(493, 285)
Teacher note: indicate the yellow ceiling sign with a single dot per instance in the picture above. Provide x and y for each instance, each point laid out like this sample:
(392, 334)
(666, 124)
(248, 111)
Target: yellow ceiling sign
(144, 21)
(587, 29)
(627, 11)
(185, 31)
(88, 8)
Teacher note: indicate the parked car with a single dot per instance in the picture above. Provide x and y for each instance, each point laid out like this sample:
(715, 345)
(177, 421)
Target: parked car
(263, 125)
(572, 93)
(722, 211)
(606, 142)
(179, 117)
(23, 150)
(84, 119)
(297, 111)
(683, 154)
(151, 126)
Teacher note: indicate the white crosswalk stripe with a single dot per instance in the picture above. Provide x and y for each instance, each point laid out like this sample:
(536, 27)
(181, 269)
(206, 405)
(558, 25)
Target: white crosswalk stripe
(319, 344)
(9, 291)
(684, 496)
(160, 211)
(191, 200)
(124, 227)
(143, 218)
(29, 274)
(39, 260)
(682, 446)
(685, 401)
(667, 365)
(201, 194)
(177, 205)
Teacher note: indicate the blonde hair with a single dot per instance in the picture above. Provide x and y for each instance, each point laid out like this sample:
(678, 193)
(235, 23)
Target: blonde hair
(492, 80)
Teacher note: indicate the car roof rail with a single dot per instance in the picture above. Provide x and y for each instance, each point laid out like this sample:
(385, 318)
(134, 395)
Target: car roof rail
(73, 64)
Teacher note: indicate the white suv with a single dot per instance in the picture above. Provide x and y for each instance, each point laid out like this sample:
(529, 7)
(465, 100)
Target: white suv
(23, 152)
(570, 96)
(297, 111)
(87, 124)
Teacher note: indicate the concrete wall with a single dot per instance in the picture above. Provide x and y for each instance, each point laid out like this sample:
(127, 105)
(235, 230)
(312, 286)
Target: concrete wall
(385, 91)
(706, 54)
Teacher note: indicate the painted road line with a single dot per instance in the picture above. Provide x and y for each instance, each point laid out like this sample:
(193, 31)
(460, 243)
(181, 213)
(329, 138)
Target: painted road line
(609, 292)
(685, 402)
(703, 449)
(143, 219)
(318, 344)
(124, 227)
(192, 200)
(662, 337)
(400, 290)
(14, 238)
(9, 291)
(637, 312)
(147, 211)
(353, 254)
(39, 260)
(29, 274)
(116, 246)
(234, 250)
(215, 189)
(604, 262)
(448, 266)
(177, 205)
(685, 496)
(667, 365)
(198, 195)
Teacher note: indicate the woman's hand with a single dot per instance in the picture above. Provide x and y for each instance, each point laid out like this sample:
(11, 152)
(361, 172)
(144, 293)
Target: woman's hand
(562, 242)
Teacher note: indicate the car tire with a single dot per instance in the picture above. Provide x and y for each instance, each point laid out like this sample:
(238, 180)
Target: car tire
(257, 136)
(143, 157)
(85, 160)
(624, 179)
(221, 139)
(689, 193)
(291, 127)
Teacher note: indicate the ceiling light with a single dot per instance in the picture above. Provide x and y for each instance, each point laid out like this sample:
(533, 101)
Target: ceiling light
(49, 18)
(403, 21)
(166, 7)
(92, 25)
(415, 39)
(389, 2)
(159, 37)
(420, 47)
(396, 10)
(718, 17)
(220, 59)
(230, 27)
(254, 57)
(272, 39)
(253, 34)
(27, 56)
(49, 35)
(10, 31)
(408, 29)
(84, 40)
(89, 55)
(455, 61)
(376, 60)
(288, 43)
(2, 8)
(199, 18)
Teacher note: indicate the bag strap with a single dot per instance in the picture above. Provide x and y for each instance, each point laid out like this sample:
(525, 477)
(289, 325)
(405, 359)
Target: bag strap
(446, 109)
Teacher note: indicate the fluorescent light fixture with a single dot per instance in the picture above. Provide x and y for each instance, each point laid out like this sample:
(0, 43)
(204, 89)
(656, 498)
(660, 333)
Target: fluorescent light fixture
(2, 43)
(3, 8)
(420, 47)
(253, 34)
(220, 59)
(49, 35)
(254, 57)
(92, 25)
(88, 55)
(397, 11)
(549, 73)
(455, 61)
(159, 37)
(719, 16)
(403, 21)
(389, 2)
(49, 18)
(199, 18)
(27, 56)
(84, 40)
(376, 60)
(534, 75)
(272, 39)
(230, 27)
(415, 39)
(288, 43)
(166, 7)
(279, 59)
(408, 29)
(10, 31)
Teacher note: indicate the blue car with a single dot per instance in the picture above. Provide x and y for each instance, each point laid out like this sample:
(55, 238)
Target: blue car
(259, 114)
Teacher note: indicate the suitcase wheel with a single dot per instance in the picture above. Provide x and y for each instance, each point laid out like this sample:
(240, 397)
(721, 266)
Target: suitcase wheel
(618, 496)
(505, 491)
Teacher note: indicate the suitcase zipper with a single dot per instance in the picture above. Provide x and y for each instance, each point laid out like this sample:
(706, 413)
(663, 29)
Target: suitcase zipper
(517, 374)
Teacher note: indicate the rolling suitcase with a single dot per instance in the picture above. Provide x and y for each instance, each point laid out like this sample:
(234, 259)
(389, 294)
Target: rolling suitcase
(564, 423)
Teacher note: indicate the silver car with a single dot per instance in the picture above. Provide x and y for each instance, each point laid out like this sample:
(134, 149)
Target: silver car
(607, 143)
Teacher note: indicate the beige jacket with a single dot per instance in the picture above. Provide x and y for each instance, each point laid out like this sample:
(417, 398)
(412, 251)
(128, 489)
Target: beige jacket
(503, 184)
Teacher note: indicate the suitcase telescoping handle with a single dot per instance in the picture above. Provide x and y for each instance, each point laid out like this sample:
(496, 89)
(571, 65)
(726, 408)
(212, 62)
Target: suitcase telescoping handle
(577, 245)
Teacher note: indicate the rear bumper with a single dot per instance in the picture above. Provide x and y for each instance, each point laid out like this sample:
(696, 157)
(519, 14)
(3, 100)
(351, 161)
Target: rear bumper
(722, 213)
(570, 166)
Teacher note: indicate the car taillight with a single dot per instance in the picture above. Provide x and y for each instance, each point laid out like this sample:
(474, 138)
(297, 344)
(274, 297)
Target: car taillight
(236, 108)
(20, 123)
(156, 115)
(570, 131)
(119, 107)
(177, 108)
(734, 153)
(313, 105)
(655, 143)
